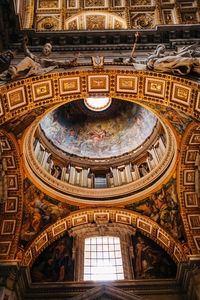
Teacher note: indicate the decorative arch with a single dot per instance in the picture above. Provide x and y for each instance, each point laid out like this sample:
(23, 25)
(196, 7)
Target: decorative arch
(148, 88)
(11, 195)
(145, 225)
(95, 20)
(189, 182)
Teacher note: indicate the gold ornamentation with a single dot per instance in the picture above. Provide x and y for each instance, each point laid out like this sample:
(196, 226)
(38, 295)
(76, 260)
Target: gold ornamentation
(16, 98)
(94, 3)
(168, 17)
(48, 23)
(73, 25)
(140, 2)
(127, 84)
(69, 85)
(118, 24)
(98, 83)
(143, 21)
(181, 94)
(189, 177)
(72, 3)
(155, 87)
(48, 4)
(95, 22)
(42, 90)
(189, 18)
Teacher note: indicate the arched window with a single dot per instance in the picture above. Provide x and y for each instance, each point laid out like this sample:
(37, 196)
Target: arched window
(103, 258)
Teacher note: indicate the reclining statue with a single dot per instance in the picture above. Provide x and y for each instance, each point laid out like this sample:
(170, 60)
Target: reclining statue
(177, 63)
(35, 65)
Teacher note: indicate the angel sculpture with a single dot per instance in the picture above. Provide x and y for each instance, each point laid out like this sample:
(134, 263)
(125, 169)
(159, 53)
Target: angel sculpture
(36, 65)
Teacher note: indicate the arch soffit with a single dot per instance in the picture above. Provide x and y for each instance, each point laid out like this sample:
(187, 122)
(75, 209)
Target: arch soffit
(144, 87)
(188, 193)
(12, 197)
(109, 20)
(121, 216)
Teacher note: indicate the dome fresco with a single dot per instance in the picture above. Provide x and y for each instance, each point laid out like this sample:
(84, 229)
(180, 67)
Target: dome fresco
(88, 136)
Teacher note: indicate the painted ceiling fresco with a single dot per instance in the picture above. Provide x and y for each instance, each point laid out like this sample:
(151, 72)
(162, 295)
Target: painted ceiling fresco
(92, 137)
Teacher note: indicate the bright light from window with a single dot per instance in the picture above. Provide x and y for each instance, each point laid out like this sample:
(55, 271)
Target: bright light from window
(102, 259)
(97, 104)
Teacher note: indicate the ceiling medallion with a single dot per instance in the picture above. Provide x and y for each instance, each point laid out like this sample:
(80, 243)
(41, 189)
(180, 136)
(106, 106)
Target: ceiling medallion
(97, 103)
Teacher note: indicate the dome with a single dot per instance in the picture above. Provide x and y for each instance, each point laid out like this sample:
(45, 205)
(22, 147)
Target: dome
(118, 130)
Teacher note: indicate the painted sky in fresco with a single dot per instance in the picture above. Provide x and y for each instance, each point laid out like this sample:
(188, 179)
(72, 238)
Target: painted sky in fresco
(99, 138)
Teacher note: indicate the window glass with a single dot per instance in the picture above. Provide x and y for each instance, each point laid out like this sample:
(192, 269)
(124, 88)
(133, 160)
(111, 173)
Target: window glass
(102, 259)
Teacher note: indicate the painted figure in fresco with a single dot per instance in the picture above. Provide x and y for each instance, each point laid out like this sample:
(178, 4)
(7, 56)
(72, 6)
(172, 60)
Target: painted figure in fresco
(110, 137)
(150, 261)
(177, 63)
(36, 65)
(55, 263)
(61, 260)
(97, 137)
(143, 264)
(165, 214)
(39, 212)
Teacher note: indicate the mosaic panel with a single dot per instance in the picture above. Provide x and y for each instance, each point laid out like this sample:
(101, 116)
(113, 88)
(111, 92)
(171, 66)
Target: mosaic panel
(42, 90)
(98, 83)
(155, 87)
(8, 227)
(127, 84)
(181, 94)
(69, 85)
(16, 98)
(11, 205)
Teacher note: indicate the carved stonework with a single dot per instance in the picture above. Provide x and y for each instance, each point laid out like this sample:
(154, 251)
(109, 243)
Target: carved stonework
(143, 21)
(48, 23)
(48, 4)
